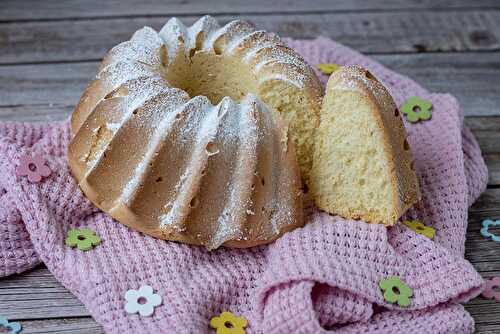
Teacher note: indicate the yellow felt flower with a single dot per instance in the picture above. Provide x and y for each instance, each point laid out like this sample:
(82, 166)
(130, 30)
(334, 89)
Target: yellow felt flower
(327, 68)
(228, 323)
(420, 228)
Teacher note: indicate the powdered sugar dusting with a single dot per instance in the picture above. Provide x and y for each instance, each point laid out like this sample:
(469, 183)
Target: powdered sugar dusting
(113, 126)
(121, 71)
(230, 222)
(174, 35)
(207, 25)
(239, 128)
(180, 209)
(140, 91)
(164, 116)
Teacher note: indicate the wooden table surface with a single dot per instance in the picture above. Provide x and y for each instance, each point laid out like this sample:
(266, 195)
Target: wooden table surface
(49, 51)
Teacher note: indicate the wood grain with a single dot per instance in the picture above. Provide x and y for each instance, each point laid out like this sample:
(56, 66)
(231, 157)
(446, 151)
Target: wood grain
(13, 10)
(384, 32)
(85, 325)
(487, 132)
(493, 163)
(488, 204)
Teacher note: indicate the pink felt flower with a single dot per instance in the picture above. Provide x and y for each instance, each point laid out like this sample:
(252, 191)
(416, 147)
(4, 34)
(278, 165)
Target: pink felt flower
(34, 167)
(492, 289)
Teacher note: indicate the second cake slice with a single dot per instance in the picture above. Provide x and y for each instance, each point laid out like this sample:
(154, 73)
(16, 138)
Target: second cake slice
(363, 167)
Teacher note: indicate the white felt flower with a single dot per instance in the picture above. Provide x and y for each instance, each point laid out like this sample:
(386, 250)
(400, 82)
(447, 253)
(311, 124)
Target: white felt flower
(142, 301)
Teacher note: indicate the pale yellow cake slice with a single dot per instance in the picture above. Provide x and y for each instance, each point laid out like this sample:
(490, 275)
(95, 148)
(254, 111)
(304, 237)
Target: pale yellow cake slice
(362, 165)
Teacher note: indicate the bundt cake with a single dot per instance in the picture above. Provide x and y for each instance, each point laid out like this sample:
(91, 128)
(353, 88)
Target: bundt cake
(180, 135)
(363, 167)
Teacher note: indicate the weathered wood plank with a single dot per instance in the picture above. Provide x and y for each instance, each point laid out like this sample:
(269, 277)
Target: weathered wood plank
(488, 328)
(464, 75)
(53, 9)
(368, 32)
(62, 326)
(493, 163)
(62, 84)
(36, 294)
(481, 252)
(36, 112)
(485, 313)
(487, 132)
(488, 203)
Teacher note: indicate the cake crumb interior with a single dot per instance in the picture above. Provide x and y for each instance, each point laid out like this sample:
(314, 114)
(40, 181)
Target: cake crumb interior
(211, 75)
(352, 175)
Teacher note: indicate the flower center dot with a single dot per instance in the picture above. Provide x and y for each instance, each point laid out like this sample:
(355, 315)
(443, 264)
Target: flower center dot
(396, 290)
(495, 229)
(81, 237)
(32, 167)
(142, 300)
(228, 324)
(416, 109)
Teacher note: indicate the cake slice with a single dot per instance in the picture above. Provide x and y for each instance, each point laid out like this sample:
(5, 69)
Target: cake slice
(362, 165)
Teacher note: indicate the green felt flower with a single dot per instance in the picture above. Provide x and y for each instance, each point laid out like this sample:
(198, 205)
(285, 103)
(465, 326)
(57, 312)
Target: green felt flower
(417, 109)
(83, 238)
(395, 291)
(420, 228)
(327, 68)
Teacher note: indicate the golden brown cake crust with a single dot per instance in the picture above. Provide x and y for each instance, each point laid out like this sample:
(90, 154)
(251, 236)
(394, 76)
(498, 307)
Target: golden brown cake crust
(185, 168)
(406, 191)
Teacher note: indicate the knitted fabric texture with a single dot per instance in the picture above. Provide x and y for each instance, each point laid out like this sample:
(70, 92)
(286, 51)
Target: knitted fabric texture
(320, 278)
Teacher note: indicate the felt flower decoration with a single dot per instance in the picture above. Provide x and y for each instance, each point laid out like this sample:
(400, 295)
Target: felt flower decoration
(228, 323)
(485, 230)
(13, 327)
(395, 291)
(492, 289)
(417, 109)
(420, 228)
(327, 68)
(83, 238)
(142, 301)
(34, 167)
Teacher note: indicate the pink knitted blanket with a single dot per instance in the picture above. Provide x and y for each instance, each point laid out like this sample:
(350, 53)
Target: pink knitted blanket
(315, 279)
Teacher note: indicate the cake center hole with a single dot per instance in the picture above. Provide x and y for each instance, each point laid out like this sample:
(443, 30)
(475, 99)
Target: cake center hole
(142, 300)
(32, 167)
(417, 109)
(81, 237)
(395, 289)
(209, 74)
(228, 324)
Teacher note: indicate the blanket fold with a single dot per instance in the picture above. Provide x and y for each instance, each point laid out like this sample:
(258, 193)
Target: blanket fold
(316, 279)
